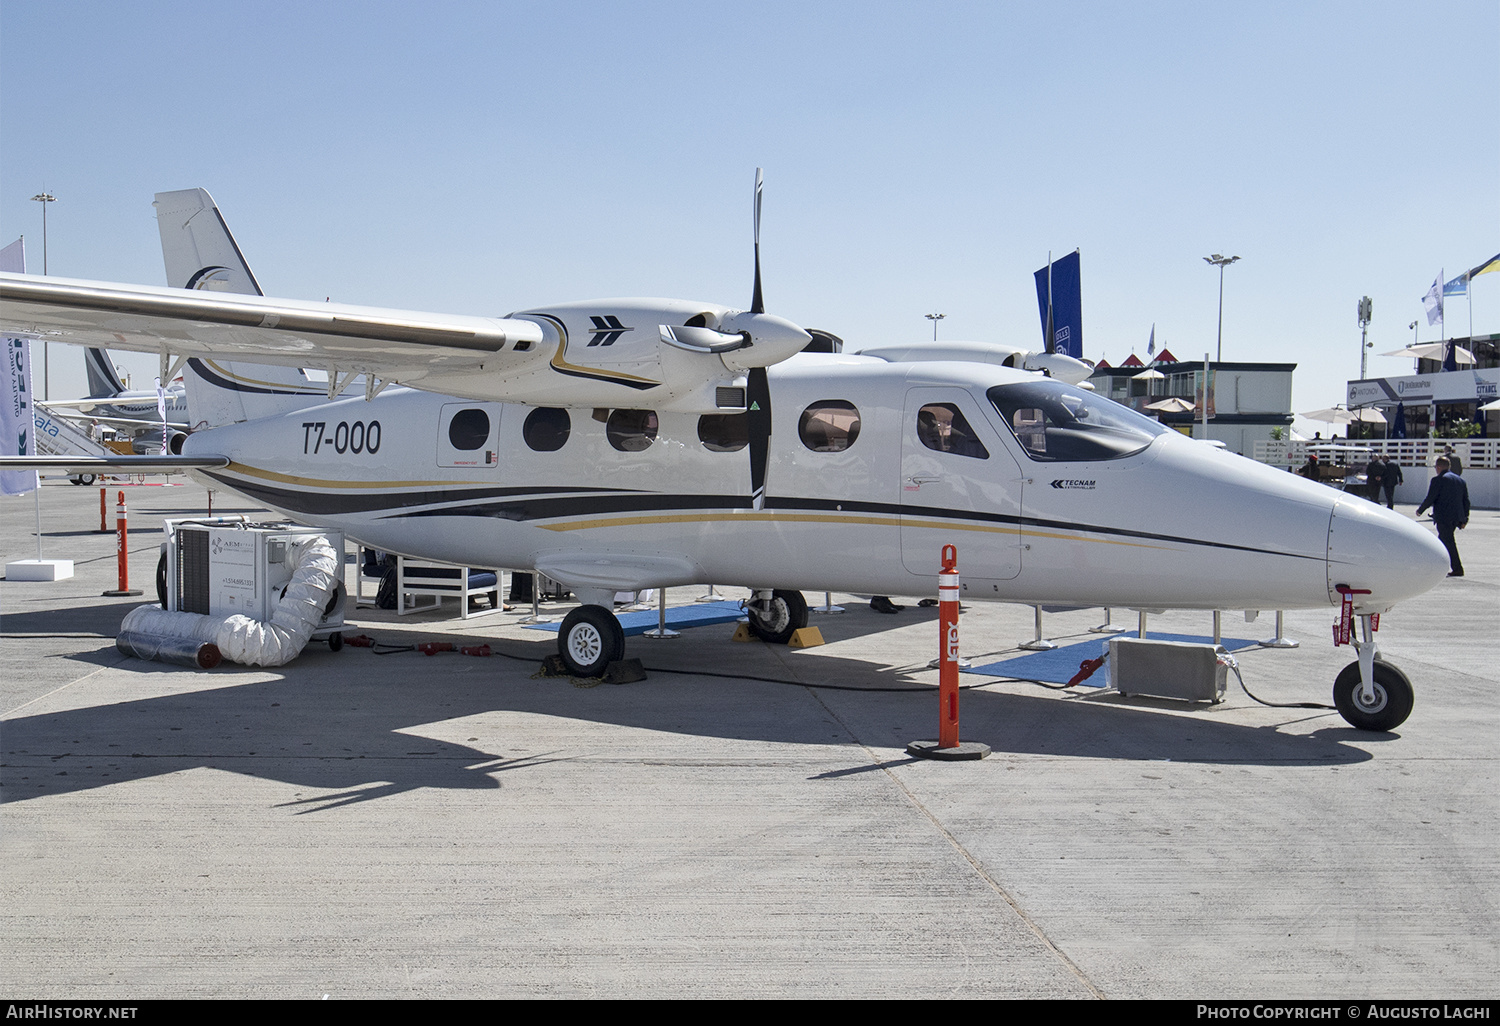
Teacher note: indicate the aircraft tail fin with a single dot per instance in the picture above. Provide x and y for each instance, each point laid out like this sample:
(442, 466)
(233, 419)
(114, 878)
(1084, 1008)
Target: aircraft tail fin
(200, 253)
(197, 246)
(104, 380)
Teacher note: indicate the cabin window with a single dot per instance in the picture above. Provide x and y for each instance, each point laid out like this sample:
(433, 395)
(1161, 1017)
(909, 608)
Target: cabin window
(943, 427)
(1057, 423)
(724, 432)
(829, 425)
(469, 429)
(546, 429)
(631, 430)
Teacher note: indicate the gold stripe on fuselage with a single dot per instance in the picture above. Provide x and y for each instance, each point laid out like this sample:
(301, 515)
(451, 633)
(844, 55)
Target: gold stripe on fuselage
(890, 520)
(319, 483)
(646, 520)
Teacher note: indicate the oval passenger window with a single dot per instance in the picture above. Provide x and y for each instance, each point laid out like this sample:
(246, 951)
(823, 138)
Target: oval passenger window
(724, 432)
(829, 425)
(631, 430)
(469, 429)
(546, 429)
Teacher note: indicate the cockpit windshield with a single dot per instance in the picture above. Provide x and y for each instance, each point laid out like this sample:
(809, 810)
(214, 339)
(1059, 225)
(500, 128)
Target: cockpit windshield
(1056, 423)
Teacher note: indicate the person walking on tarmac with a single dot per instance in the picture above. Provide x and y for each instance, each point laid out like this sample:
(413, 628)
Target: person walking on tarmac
(1389, 480)
(1448, 498)
(1374, 474)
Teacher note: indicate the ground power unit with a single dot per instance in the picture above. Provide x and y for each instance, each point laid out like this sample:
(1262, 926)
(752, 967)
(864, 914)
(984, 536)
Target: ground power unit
(222, 569)
(1179, 670)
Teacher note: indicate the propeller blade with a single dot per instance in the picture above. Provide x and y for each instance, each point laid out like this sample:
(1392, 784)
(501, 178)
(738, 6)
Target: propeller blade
(702, 340)
(757, 301)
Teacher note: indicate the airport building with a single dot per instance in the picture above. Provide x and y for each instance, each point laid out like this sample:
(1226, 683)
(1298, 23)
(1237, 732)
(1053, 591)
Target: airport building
(1247, 402)
(1432, 402)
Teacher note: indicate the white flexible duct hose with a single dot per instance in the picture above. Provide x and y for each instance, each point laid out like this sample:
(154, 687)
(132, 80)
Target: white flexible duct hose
(251, 642)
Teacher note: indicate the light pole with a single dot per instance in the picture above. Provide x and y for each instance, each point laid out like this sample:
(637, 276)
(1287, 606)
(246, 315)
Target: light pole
(1364, 327)
(1222, 262)
(44, 198)
(934, 318)
(1413, 327)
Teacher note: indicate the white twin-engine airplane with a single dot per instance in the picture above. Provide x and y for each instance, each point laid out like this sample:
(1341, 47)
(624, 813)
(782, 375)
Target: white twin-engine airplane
(624, 444)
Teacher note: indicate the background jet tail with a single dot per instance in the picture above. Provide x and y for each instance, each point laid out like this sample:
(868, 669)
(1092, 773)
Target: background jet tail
(104, 380)
(200, 253)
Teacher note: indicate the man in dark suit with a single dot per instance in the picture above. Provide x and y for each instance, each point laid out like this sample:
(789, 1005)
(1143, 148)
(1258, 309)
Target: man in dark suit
(1389, 480)
(1448, 498)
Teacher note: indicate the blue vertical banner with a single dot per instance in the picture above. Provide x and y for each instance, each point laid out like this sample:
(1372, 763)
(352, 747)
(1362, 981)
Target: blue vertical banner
(1060, 299)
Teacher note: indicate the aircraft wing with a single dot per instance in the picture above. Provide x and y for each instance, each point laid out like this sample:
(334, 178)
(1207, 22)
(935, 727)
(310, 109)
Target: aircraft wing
(609, 353)
(60, 408)
(399, 345)
(111, 464)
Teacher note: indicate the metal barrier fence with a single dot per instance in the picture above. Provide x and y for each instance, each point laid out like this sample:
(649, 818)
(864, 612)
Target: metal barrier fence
(1478, 454)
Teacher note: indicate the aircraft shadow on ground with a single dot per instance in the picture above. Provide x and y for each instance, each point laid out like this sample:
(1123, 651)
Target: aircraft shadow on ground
(102, 618)
(351, 733)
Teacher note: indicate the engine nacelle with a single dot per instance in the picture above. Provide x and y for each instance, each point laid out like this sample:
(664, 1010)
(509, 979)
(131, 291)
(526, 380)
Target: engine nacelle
(1057, 365)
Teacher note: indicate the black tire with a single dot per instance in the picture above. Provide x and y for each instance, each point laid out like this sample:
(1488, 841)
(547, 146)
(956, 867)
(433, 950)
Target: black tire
(590, 639)
(788, 615)
(335, 641)
(1393, 697)
(161, 580)
(82, 479)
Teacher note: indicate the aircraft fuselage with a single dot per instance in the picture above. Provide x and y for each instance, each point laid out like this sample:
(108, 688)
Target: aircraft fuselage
(1049, 496)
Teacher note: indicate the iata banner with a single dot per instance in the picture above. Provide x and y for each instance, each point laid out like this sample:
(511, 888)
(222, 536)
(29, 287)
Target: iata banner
(16, 417)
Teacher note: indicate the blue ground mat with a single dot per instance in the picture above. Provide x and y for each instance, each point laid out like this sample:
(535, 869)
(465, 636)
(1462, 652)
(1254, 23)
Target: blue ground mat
(1058, 665)
(700, 614)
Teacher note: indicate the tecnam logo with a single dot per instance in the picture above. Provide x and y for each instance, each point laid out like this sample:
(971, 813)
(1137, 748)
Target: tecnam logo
(1069, 482)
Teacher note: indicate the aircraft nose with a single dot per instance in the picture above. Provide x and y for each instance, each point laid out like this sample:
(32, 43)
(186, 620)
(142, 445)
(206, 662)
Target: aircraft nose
(1373, 548)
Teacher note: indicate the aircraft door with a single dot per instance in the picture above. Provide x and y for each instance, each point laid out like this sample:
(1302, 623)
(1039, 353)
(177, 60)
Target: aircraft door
(960, 486)
(468, 435)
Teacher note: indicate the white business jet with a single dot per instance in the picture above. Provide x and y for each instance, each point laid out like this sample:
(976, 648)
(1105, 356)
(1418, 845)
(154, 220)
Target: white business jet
(624, 444)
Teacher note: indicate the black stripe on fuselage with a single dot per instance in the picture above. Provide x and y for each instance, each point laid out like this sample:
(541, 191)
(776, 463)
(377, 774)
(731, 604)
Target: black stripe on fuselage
(527, 505)
(329, 503)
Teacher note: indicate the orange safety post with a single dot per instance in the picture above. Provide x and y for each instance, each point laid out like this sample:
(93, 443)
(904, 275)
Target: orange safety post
(947, 746)
(122, 551)
(948, 649)
(103, 525)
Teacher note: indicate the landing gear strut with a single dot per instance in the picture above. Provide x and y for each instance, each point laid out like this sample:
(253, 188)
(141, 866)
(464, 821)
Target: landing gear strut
(1369, 693)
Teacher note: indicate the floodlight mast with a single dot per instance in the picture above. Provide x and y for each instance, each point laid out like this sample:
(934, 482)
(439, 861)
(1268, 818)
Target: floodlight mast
(934, 318)
(1221, 262)
(44, 197)
(1364, 329)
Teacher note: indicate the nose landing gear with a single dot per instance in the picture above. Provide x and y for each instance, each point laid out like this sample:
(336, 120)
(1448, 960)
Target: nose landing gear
(1369, 693)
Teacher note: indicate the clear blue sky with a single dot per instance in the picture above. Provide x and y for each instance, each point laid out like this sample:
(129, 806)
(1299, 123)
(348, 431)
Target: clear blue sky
(484, 157)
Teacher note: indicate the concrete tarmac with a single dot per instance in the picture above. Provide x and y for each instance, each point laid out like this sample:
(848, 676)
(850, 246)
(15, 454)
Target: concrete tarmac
(357, 825)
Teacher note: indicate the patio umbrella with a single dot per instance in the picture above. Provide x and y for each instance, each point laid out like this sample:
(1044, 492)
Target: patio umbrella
(1398, 430)
(1432, 351)
(1491, 406)
(1172, 405)
(1367, 415)
(1333, 415)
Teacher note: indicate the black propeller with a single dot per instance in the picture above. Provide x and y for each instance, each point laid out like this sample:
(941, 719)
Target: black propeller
(757, 301)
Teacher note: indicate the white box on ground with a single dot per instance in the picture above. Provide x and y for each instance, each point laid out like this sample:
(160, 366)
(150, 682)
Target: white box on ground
(39, 570)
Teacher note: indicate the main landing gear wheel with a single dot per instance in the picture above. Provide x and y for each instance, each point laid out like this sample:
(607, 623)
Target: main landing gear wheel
(590, 639)
(786, 616)
(1392, 703)
(82, 479)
